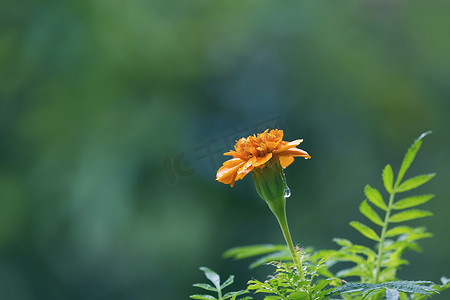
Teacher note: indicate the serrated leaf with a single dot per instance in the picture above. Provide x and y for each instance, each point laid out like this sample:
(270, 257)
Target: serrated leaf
(414, 236)
(388, 178)
(399, 230)
(342, 242)
(205, 286)
(388, 274)
(410, 214)
(375, 197)
(355, 271)
(401, 245)
(212, 276)
(276, 256)
(410, 286)
(233, 295)
(365, 230)
(342, 256)
(298, 295)
(414, 182)
(227, 282)
(254, 250)
(320, 285)
(358, 249)
(409, 157)
(412, 201)
(403, 286)
(367, 211)
(392, 294)
(202, 297)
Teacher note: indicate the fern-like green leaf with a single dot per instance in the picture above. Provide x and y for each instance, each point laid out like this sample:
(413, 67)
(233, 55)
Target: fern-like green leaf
(410, 214)
(375, 197)
(412, 201)
(413, 287)
(212, 276)
(276, 256)
(343, 242)
(233, 295)
(227, 282)
(368, 211)
(203, 297)
(205, 286)
(414, 182)
(399, 230)
(388, 178)
(365, 230)
(251, 251)
(409, 156)
(215, 279)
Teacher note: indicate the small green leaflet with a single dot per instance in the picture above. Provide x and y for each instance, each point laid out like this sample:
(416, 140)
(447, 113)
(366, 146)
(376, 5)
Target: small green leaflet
(399, 230)
(254, 250)
(414, 182)
(365, 230)
(409, 156)
(388, 178)
(412, 201)
(402, 286)
(368, 211)
(410, 214)
(212, 276)
(203, 297)
(205, 286)
(227, 282)
(375, 197)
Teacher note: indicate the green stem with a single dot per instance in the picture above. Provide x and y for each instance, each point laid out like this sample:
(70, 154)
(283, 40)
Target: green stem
(383, 236)
(282, 220)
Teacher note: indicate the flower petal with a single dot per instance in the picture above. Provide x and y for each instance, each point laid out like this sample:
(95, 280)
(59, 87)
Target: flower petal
(287, 145)
(262, 160)
(286, 160)
(246, 168)
(294, 152)
(228, 171)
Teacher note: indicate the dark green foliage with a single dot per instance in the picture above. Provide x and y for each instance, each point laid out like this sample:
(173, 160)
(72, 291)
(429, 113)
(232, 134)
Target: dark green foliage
(392, 289)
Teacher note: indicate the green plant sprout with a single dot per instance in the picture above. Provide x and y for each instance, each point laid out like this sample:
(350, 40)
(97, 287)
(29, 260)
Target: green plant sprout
(218, 287)
(305, 274)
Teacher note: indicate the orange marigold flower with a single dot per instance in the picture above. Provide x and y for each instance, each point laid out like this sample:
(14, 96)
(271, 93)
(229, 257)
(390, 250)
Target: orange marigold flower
(255, 152)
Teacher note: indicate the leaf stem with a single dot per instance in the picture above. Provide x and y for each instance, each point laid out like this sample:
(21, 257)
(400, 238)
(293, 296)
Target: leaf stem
(282, 220)
(383, 235)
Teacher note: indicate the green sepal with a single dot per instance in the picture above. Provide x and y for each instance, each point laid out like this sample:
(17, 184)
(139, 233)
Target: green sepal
(270, 184)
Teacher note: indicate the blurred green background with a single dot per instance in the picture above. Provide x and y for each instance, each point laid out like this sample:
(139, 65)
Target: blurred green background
(114, 115)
